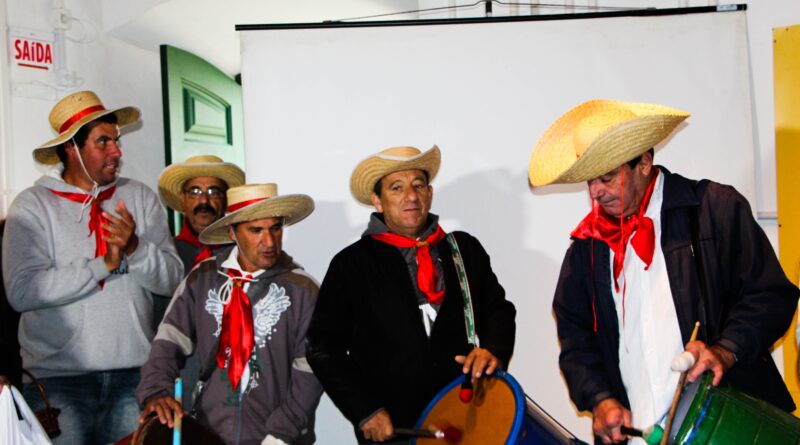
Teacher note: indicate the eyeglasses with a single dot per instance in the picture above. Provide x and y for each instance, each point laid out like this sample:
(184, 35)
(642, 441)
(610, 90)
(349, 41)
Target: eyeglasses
(212, 192)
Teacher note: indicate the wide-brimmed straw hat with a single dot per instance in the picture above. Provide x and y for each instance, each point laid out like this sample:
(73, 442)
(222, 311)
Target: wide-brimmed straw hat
(257, 201)
(598, 136)
(73, 112)
(395, 159)
(170, 183)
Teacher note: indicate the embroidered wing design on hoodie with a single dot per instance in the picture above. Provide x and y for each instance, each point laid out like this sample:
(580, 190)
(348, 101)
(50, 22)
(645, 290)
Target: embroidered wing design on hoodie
(267, 312)
(215, 307)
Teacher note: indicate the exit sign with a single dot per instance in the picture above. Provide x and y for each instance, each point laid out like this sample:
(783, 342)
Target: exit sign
(31, 49)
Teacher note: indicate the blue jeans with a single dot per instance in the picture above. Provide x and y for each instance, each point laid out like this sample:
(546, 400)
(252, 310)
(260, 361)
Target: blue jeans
(96, 408)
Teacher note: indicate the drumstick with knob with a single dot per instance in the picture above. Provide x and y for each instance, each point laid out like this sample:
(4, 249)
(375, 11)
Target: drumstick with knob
(450, 434)
(677, 396)
(176, 432)
(652, 435)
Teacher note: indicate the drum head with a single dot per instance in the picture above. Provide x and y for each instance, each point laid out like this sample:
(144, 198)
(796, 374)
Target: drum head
(493, 415)
(154, 432)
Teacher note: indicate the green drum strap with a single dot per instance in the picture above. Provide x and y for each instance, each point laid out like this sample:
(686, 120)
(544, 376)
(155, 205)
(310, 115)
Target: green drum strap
(469, 315)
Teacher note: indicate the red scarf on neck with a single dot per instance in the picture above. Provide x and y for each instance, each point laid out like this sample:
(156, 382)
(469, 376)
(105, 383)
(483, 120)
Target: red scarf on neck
(190, 237)
(96, 219)
(616, 232)
(426, 271)
(237, 330)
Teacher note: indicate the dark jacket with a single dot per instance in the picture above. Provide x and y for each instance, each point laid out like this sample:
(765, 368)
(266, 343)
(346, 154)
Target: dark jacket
(10, 360)
(367, 343)
(750, 301)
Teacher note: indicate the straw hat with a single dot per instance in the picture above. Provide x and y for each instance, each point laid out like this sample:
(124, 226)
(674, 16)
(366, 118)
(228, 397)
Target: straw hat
(598, 136)
(170, 183)
(395, 159)
(73, 112)
(257, 201)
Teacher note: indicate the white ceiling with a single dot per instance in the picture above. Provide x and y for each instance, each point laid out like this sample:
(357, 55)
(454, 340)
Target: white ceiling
(207, 27)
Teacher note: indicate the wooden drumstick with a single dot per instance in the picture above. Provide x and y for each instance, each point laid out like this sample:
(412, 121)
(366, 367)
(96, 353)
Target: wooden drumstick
(450, 434)
(677, 396)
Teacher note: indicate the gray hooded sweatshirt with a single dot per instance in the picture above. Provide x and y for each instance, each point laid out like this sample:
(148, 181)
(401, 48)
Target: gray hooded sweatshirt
(69, 325)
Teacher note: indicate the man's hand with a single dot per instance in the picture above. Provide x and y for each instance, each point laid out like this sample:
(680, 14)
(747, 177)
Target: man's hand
(479, 362)
(165, 407)
(713, 358)
(608, 416)
(121, 232)
(379, 427)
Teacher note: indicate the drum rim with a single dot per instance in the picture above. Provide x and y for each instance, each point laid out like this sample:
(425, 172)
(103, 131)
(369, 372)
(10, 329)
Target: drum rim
(519, 401)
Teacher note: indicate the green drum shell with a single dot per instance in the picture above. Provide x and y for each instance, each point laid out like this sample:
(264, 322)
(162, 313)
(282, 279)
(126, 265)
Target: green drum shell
(726, 416)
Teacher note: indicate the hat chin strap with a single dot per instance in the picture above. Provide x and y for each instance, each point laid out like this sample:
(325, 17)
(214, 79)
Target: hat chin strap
(95, 186)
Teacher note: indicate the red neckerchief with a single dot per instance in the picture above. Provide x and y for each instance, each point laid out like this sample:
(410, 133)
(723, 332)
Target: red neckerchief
(426, 272)
(237, 330)
(190, 237)
(96, 219)
(616, 232)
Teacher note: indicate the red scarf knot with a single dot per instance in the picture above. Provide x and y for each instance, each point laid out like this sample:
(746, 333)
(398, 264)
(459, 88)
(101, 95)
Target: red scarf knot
(616, 232)
(190, 237)
(426, 271)
(236, 339)
(96, 219)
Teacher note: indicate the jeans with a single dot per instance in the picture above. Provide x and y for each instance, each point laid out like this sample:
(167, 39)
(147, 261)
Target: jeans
(96, 408)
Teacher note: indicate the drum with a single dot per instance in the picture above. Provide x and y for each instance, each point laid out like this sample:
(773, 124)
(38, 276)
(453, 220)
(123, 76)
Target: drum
(499, 413)
(724, 415)
(153, 432)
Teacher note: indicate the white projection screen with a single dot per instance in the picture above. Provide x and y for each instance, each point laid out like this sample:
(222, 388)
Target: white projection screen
(318, 98)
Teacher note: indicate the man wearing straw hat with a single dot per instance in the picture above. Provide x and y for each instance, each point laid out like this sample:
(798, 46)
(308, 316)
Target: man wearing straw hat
(196, 189)
(389, 330)
(657, 253)
(84, 251)
(244, 312)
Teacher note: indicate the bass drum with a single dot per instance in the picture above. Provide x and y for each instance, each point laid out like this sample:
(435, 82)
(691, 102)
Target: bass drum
(726, 416)
(499, 413)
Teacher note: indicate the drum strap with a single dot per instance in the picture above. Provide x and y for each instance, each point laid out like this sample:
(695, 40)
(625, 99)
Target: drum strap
(461, 271)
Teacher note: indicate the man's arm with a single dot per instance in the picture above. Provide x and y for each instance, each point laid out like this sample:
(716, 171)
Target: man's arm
(154, 263)
(31, 277)
(761, 299)
(581, 359)
(292, 418)
(328, 344)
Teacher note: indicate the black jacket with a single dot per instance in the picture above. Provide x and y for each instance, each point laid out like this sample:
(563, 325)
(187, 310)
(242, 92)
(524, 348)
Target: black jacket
(750, 301)
(367, 344)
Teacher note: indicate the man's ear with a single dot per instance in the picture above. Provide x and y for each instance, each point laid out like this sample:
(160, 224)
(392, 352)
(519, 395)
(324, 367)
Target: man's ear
(646, 163)
(376, 201)
(231, 233)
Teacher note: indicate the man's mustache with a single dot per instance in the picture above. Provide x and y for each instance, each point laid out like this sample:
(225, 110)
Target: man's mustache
(203, 208)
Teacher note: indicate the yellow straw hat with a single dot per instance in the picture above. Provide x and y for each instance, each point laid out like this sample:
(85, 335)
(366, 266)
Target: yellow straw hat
(598, 136)
(257, 201)
(395, 159)
(73, 112)
(170, 183)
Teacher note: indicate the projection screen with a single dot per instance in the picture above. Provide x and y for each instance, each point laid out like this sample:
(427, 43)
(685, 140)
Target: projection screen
(318, 98)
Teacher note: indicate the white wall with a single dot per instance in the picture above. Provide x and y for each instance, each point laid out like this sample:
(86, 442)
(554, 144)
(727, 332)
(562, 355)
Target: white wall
(119, 73)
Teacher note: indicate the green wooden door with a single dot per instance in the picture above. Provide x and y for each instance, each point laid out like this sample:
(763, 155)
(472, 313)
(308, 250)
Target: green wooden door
(202, 111)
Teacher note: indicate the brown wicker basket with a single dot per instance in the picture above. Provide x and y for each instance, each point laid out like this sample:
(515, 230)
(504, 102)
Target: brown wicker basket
(48, 416)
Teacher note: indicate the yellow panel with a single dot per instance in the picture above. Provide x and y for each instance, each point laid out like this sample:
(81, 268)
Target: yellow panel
(786, 47)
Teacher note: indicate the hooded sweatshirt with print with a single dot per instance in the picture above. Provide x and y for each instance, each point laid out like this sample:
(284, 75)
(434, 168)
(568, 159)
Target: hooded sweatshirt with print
(280, 391)
(70, 324)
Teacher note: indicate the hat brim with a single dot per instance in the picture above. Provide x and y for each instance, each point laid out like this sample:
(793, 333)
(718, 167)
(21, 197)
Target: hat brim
(46, 153)
(371, 170)
(293, 208)
(170, 183)
(554, 160)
